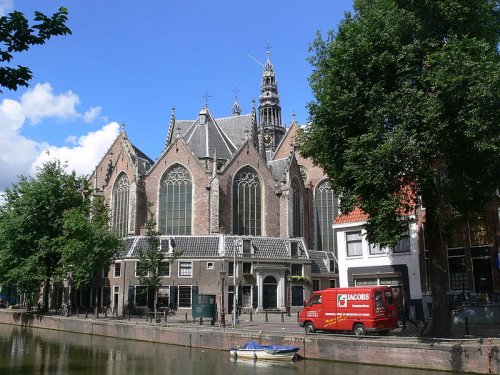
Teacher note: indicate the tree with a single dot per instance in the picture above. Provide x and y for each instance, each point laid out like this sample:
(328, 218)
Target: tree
(87, 244)
(16, 35)
(406, 112)
(153, 263)
(46, 230)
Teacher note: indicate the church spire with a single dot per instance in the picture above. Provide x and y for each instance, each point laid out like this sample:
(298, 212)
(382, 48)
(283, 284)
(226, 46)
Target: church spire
(271, 128)
(171, 126)
(236, 107)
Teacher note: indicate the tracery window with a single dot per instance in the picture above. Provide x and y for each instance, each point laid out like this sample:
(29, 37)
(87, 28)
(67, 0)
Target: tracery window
(326, 212)
(120, 205)
(247, 203)
(297, 210)
(176, 202)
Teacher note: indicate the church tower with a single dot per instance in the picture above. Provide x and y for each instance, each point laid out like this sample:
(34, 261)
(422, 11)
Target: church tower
(271, 130)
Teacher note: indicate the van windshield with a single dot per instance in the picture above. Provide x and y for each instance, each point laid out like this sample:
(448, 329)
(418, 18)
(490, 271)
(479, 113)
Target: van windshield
(315, 300)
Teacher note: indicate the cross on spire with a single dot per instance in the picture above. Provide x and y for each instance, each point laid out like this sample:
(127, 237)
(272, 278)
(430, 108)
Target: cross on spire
(206, 96)
(236, 91)
(268, 48)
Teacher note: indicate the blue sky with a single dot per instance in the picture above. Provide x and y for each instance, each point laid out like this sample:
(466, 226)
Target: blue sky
(130, 62)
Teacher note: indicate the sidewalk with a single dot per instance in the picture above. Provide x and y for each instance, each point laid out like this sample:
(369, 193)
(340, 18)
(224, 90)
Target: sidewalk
(280, 322)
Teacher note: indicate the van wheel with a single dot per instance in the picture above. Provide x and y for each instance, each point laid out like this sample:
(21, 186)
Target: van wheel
(309, 327)
(359, 329)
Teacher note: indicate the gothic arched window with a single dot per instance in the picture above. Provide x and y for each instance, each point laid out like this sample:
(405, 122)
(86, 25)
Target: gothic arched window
(120, 205)
(326, 212)
(247, 203)
(297, 209)
(176, 201)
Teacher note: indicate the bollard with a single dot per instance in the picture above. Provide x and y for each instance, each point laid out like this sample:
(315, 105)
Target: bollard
(201, 321)
(266, 317)
(282, 317)
(78, 311)
(298, 316)
(467, 333)
(165, 315)
(186, 318)
(128, 313)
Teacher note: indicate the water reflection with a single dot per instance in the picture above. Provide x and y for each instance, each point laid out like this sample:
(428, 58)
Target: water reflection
(34, 351)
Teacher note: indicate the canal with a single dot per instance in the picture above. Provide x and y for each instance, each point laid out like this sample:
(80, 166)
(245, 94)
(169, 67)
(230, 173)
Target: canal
(43, 352)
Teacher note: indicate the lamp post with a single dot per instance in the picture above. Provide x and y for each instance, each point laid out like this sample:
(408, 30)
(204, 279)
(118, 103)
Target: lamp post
(222, 314)
(234, 282)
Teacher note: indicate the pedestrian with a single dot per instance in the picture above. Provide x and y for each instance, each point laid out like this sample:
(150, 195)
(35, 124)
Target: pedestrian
(406, 312)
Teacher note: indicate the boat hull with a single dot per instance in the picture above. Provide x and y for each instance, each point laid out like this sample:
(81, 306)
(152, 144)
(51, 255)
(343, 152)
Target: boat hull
(263, 354)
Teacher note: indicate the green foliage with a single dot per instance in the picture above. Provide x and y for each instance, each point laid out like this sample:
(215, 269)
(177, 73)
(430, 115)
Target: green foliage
(48, 227)
(16, 35)
(87, 243)
(406, 110)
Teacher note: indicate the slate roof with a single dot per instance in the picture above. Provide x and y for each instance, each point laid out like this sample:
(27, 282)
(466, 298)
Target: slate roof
(278, 168)
(237, 128)
(221, 136)
(318, 261)
(209, 246)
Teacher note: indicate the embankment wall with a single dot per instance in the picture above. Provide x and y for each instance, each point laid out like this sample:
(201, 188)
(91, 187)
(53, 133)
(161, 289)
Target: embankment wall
(480, 356)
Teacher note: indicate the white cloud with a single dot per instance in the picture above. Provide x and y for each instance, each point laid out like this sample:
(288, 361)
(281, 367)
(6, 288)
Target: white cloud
(20, 155)
(91, 114)
(40, 102)
(84, 157)
(6, 6)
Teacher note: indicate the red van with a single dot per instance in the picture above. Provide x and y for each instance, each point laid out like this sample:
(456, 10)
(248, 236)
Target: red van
(359, 309)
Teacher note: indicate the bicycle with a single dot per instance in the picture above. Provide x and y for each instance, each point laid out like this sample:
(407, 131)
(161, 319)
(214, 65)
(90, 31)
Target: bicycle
(65, 309)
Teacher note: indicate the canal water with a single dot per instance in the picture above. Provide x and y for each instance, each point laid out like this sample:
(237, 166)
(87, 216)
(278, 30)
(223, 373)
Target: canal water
(43, 352)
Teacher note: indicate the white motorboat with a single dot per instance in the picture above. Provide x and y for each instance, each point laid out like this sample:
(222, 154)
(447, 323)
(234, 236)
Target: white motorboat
(253, 350)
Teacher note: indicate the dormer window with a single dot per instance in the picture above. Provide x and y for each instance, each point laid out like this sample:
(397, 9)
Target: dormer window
(247, 247)
(203, 116)
(294, 249)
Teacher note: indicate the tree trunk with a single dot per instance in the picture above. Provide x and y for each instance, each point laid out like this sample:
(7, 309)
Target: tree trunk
(438, 272)
(438, 255)
(46, 294)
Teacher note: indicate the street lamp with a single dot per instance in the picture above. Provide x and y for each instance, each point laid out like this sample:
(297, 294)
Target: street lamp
(222, 275)
(237, 244)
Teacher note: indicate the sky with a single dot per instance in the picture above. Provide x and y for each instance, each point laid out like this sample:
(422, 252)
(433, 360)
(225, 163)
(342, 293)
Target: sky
(131, 62)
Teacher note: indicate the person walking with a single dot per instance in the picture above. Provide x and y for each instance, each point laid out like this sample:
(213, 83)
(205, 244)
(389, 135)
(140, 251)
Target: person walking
(406, 312)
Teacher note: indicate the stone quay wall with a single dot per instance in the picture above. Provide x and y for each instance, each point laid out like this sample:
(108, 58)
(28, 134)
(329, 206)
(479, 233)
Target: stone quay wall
(479, 356)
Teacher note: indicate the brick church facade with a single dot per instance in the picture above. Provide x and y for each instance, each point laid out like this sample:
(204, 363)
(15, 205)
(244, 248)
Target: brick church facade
(224, 190)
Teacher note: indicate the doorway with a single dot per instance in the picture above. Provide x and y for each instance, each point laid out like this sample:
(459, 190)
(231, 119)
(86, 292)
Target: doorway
(483, 282)
(270, 293)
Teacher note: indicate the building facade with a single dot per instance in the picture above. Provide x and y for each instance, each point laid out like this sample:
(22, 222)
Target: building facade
(216, 182)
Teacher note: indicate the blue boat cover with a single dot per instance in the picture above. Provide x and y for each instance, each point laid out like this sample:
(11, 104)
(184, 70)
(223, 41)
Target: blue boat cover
(255, 346)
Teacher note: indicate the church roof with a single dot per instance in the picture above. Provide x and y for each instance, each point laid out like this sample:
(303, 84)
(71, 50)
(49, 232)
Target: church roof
(278, 168)
(219, 136)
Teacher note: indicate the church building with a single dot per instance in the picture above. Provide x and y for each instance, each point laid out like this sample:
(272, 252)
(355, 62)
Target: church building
(251, 217)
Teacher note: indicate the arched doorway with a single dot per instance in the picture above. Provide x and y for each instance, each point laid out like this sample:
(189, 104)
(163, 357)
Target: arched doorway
(270, 293)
